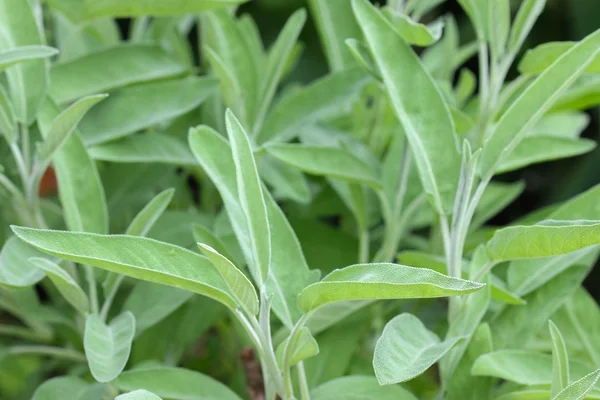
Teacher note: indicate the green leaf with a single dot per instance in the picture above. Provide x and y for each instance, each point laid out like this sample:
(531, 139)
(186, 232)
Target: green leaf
(122, 65)
(583, 315)
(64, 125)
(335, 23)
(107, 347)
(62, 387)
(144, 148)
(174, 383)
(426, 119)
(498, 25)
(359, 387)
(138, 257)
(145, 219)
(319, 100)
(565, 124)
(478, 11)
(585, 93)
(537, 149)
(64, 282)
(150, 303)
(536, 60)
(329, 161)
(363, 57)
(287, 181)
(80, 191)
(539, 96)
(413, 32)
(251, 197)
(17, 55)
(550, 238)
(131, 8)
(495, 198)
(134, 108)
(203, 235)
(15, 267)
(406, 349)
(138, 395)
(560, 360)
(236, 281)
(27, 82)
(8, 126)
(579, 389)
(381, 281)
(528, 13)
(297, 348)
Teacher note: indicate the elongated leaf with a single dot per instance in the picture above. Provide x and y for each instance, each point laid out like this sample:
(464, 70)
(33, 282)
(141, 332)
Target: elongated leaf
(478, 11)
(144, 148)
(145, 219)
(495, 198)
(381, 281)
(60, 388)
(413, 32)
(578, 389)
(528, 13)
(538, 149)
(543, 240)
(16, 55)
(251, 197)
(565, 124)
(27, 82)
(406, 349)
(203, 235)
(315, 102)
(335, 23)
(560, 360)
(236, 281)
(138, 395)
(302, 346)
(121, 66)
(536, 60)
(64, 125)
(287, 181)
(134, 108)
(175, 383)
(363, 57)
(15, 267)
(107, 347)
(539, 96)
(131, 8)
(329, 161)
(426, 118)
(585, 93)
(8, 118)
(498, 25)
(137, 257)
(353, 387)
(64, 282)
(150, 303)
(584, 321)
(289, 273)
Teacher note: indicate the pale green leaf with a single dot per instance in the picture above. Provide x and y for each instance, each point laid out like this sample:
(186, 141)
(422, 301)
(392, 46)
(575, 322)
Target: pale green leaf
(287, 181)
(107, 347)
(329, 161)
(585, 93)
(145, 219)
(17, 55)
(134, 108)
(122, 65)
(495, 198)
(62, 387)
(64, 125)
(413, 32)
(250, 197)
(584, 322)
(363, 57)
(525, 395)
(465, 87)
(478, 11)
(381, 281)
(533, 103)
(236, 281)
(560, 360)
(498, 26)
(426, 118)
(359, 387)
(298, 348)
(137, 257)
(8, 126)
(15, 267)
(175, 383)
(203, 235)
(131, 8)
(536, 60)
(27, 82)
(565, 124)
(579, 389)
(138, 395)
(406, 349)
(64, 282)
(528, 13)
(144, 148)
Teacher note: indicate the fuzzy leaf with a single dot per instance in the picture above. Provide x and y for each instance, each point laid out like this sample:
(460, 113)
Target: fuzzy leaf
(64, 282)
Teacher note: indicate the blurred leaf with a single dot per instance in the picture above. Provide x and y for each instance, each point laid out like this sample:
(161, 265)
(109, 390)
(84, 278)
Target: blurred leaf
(59, 388)
(287, 181)
(17, 55)
(528, 13)
(129, 8)
(297, 348)
(536, 60)
(352, 387)
(560, 360)
(8, 118)
(138, 395)
(15, 267)
(413, 32)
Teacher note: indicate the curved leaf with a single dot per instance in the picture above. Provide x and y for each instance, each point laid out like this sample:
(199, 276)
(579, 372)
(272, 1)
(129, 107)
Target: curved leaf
(131, 8)
(138, 395)
(65, 283)
(578, 389)
(536, 60)
(15, 267)
(16, 55)
(144, 148)
(414, 32)
(560, 360)
(62, 387)
(8, 118)
(302, 346)
(359, 387)
(145, 219)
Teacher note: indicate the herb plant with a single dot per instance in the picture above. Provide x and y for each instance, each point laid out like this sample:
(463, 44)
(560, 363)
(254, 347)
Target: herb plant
(221, 233)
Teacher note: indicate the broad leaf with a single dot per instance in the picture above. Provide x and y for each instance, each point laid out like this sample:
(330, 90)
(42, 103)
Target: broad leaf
(381, 281)
(406, 349)
(536, 60)
(425, 118)
(131, 8)
(578, 389)
(107, 347)
(175, 383)
(121, 66)
(359, 387)
(145, 219)
(15, 267)
(138, 395)
(137, 257)
(560, 360)
(62, 387)
(17, 55)
(64, 282)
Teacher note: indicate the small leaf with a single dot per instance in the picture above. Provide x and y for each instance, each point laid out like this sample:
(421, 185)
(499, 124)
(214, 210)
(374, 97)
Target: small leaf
(145, 219)
(381, 281)
(363, 57)
(15, 267)
(8, 118)
(138, 395)
(236, 281)
(413, 32)
(584, 320)
(565, 124)
(131, 8)
(579, 389)
(560, 360)
(203, 235)
(137, 257)
(64, 125)
(583, 94)
(107, 347)
(528, 13)
(498, 25)
(359, 387)
(329, 161)
(64, 282)
(251, 197)
(17, 55)
(406, 349)
(302, 346)
(62, 387)
(536, 60)
(287, 181)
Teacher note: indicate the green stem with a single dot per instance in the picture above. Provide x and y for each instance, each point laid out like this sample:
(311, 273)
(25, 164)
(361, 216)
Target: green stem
(25, 140)
(110, 296)
(22, 333)
(93, 291)
(304, 389)
(363, 240)
(21, 166)
(57, 352)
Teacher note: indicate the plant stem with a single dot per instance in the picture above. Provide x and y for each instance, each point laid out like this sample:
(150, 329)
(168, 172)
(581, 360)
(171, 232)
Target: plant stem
(21, 166)
(93, 292)
(23, 333)
(363, 240)
(25, 141)
(304, 389)
(57, 352)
